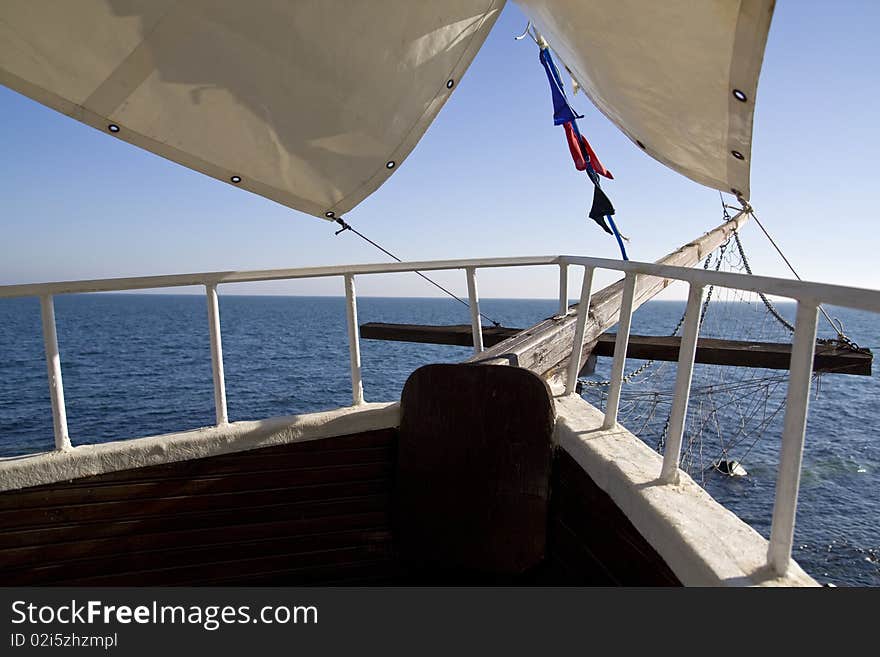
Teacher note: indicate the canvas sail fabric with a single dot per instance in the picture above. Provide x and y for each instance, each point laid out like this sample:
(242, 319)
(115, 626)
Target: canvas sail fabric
(306, 102)
(315, 103)
(665, 74)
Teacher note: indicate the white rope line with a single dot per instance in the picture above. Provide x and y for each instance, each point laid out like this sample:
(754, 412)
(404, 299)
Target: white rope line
(840, 333)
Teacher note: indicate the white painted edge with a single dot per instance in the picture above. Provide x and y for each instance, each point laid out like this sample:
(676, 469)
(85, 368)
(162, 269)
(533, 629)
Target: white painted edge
(87, 460)
(703, 543)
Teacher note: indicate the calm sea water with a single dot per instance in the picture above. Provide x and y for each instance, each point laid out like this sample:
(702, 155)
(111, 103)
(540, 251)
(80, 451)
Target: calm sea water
(136, 365)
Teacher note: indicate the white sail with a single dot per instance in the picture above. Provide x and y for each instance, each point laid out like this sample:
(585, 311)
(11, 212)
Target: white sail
(314, 104)
(678, 77)
(310, 103)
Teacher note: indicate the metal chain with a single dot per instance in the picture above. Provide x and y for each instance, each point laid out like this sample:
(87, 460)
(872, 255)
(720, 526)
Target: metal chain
(626, 379)
(846, 341)
(842, 339)
(770, 307)
(718, 262)
(742, 254)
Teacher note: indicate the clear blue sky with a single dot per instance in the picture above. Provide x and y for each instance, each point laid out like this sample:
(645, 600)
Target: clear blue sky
(492, 177)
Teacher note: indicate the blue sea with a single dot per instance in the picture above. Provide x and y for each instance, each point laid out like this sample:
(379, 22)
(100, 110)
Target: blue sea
(139, 364)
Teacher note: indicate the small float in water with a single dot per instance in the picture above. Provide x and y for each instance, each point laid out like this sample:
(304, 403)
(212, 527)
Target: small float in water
(730, 467)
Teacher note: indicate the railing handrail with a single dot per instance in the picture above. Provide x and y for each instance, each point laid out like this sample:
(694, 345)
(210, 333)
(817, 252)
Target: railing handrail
(257, 275)
(839, 295)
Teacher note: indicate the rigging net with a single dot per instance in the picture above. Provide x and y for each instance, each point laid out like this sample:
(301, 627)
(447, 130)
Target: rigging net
(731, 408)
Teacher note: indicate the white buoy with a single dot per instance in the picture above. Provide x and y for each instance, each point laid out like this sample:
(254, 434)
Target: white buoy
(731, 468)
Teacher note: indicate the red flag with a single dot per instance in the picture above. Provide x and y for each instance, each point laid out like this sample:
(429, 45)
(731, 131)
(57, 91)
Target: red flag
(577, 153)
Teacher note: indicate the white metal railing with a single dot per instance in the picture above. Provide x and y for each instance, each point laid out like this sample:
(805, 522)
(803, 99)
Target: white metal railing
(808, 296)
(210, 281)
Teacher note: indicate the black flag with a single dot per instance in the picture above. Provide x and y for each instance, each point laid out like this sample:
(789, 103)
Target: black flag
(601, 207)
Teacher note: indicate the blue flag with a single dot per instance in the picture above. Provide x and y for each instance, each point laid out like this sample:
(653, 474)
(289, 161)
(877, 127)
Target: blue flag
(562, 111)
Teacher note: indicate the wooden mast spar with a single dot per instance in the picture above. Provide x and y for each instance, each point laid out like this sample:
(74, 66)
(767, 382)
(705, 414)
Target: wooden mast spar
(545, 348)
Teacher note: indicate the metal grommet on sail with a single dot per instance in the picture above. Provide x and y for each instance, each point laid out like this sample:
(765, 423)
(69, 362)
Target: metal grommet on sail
(390, 164)
(113, 127)
(235, 179)
(738, 155)
(739, 95)
(450, 83)
(330, 214)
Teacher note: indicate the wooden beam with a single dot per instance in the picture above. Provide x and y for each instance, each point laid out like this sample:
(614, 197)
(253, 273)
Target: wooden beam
(455, 334)
(545, 347)
(710, 351)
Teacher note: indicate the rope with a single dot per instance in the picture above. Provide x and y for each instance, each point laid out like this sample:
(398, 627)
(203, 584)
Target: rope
(770, 307)
(796, 275)
(617, 236)
(842, 338)
(346, 226)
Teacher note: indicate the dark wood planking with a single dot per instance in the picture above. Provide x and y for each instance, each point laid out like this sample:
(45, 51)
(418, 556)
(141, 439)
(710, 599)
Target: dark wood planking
(176, 498)
(710, 351)
(336, 502)
(592, 540)
(305, 516)
(326, 450)
(245, 463)
(183, 537)
(301, 549)
(309, 512)
(312, 568)
(573, 562)
(473, 469)
(32, 500)
(367, 571)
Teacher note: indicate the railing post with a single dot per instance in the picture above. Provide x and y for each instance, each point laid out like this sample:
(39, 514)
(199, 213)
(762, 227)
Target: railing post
(686, 354)
(796, 403)
(53, 369)
(577, 345)
(620, 346)
(563, 289)
(474, 302)
(354, 341)
(222, 414)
